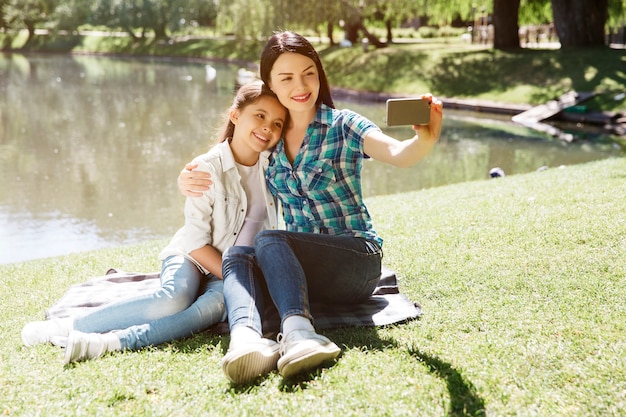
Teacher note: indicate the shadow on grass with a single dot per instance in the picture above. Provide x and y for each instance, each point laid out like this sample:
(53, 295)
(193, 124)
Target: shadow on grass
(475, 72)
(464, 401)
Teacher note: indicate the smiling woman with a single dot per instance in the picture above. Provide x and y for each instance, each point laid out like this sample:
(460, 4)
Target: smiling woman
(90, 148)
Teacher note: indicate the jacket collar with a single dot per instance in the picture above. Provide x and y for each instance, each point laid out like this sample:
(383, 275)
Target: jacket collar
(228, 159)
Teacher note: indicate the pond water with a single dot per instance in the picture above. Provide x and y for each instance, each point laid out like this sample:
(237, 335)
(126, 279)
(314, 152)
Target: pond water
(90, 149)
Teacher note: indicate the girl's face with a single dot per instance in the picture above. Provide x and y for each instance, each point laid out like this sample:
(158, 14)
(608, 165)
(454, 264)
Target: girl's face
(295, 80)
(258, 127)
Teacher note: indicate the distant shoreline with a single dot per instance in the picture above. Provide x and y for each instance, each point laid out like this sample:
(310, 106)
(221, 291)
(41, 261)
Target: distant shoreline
(610, 122)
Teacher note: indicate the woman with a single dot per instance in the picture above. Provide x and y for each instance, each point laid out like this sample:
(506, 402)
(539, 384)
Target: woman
(330, 252)
(190, 298)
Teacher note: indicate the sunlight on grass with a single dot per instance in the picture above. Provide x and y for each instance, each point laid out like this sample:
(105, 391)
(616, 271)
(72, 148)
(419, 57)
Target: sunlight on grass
(521, 280)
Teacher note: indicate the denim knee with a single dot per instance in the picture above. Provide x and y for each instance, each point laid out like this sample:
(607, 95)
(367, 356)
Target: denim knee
(237, 251)
(265, 237)
(173, 299)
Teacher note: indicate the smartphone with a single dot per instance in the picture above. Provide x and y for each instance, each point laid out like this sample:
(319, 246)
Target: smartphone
(407, 111)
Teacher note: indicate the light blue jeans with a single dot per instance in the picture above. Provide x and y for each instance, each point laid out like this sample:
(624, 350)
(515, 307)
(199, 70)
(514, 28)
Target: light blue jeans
(294, 269)
(187, 302)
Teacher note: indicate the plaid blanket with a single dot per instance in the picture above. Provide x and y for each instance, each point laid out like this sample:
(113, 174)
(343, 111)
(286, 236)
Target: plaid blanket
(385, 306)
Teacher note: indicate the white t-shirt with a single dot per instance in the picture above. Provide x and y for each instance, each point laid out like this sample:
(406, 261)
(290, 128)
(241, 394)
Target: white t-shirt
(256, 211)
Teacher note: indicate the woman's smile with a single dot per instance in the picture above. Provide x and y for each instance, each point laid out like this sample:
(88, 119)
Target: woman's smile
(301, 98)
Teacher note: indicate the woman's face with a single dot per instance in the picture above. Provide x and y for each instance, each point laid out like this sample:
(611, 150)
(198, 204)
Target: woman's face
(295, 81)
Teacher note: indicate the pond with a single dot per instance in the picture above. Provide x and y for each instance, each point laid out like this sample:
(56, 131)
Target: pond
(90, 149)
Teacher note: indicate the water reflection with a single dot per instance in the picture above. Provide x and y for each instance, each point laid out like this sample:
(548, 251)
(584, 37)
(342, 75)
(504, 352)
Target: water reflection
(90, 149)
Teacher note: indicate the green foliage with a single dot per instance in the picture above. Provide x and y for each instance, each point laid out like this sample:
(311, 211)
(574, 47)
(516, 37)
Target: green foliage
(247, 20)
(251, 20)
(534, 12)
(617, 14)
(157, 16)
(443, 12)
(3, 23)
(20, 14)
(69, 15)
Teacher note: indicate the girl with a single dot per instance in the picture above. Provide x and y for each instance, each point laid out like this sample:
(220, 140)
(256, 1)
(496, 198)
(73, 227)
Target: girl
(330, 252)
(233, 211)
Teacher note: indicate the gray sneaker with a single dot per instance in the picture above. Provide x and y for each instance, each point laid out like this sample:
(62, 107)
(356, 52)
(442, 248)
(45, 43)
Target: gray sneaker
(244, 363)
(84, 346)
(303, 350)
(37, 332)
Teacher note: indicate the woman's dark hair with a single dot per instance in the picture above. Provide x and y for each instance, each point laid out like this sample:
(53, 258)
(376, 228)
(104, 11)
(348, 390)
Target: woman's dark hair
(246, 95)
(287, 41)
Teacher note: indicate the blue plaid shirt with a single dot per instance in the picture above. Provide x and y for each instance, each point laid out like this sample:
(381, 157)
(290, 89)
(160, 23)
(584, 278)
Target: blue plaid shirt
(321, 192)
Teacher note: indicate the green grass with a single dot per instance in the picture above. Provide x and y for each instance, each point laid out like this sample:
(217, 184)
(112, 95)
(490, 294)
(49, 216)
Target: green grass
(472, 72)
(522, 282)
(445, 67)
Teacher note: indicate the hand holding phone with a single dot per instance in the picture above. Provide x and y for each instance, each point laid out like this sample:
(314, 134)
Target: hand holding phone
(407, 111)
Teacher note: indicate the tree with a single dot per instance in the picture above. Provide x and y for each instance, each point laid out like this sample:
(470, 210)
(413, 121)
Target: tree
(3, 23)
(247, 20)
(201, 12)
(395, 12)
(580, 22)
(119, 14)
(28, 13)
(160, 16)
(70, 14)
(505, 26)
(617, 15)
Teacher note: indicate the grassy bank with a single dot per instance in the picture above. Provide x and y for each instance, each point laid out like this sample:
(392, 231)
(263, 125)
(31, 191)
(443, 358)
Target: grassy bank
(447, 68)
(522, 284)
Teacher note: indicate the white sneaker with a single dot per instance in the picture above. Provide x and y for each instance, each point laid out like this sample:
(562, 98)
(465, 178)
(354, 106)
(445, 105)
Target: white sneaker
(249, 360)
(83, 346)
(303, 350)
(37, 332)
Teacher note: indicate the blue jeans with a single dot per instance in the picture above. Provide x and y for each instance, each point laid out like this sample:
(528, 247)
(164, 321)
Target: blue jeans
(187, 302)
(296, 269)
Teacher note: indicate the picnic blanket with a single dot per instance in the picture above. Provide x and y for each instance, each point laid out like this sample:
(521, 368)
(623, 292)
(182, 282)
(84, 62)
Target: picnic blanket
(385, 306)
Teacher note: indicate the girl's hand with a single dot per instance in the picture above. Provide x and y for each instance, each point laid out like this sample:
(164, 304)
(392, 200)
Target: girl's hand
(431, 131)
(193, 183)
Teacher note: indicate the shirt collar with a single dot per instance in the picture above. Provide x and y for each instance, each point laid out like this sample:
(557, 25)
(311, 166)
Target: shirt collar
(323, 115)
(228, 159)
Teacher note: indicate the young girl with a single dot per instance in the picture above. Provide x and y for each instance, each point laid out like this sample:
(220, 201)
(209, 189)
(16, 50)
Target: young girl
(233, 211)
(330, 252)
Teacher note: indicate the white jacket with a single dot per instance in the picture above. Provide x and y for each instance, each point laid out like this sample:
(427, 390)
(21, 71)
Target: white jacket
(217, 217)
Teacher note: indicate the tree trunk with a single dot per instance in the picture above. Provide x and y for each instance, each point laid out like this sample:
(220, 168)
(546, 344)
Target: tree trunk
(373, 40)
(505, 26)
(388, 25)
(580, 22)
(352, 32)
(30, 25)
(130, 32)
(160, 31)
(329, 32)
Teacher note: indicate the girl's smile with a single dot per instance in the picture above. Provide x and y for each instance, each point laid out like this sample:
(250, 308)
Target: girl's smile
(258, 127)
